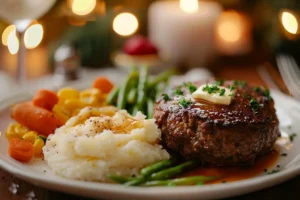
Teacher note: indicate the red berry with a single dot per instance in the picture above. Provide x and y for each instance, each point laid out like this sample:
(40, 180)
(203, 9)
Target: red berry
(139, 45)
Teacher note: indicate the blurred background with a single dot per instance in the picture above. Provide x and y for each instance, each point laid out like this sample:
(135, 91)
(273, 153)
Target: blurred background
(180, 33)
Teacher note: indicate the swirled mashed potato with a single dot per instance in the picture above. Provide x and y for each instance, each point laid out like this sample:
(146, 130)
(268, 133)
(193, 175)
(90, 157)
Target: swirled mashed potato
(102, 141)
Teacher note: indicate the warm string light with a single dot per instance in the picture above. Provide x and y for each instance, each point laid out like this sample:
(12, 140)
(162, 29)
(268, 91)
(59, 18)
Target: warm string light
(83, 7)
(32, 37)
(189, 6)
(289, 22)
(125, 24)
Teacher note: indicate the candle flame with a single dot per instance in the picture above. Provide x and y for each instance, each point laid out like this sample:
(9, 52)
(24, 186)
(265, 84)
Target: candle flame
(125, 24)
(189, 6)
(289, 22)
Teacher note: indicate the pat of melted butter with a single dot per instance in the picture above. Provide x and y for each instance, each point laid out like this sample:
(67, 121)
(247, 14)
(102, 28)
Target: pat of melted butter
(214, 97)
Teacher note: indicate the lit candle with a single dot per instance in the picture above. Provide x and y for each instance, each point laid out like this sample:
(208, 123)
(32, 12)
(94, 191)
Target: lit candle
(184, 31)
(233, 34)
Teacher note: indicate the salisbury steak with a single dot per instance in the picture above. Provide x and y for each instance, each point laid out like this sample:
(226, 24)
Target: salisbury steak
(217, 134)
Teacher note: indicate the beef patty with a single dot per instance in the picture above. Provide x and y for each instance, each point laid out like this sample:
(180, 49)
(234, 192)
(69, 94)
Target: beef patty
(217, 134)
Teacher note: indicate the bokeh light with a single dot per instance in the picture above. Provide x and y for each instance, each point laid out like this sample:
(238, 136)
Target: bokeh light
(289, 22)
(13, 43)
(83, 7)
(125, 24)
(229, 27)
(6, 32)
(33, 36)
(189, 6)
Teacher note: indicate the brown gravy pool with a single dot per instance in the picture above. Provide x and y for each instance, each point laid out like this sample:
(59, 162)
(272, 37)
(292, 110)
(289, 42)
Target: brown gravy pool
(230, 174)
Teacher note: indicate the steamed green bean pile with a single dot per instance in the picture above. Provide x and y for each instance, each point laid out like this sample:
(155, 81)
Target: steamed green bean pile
(163, 173)
(139, 92)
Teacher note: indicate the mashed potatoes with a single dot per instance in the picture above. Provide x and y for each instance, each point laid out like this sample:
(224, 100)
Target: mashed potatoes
(102, 141)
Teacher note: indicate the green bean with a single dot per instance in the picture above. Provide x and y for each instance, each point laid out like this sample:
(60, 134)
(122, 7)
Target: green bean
(173, 171)
(119, 179)
(181, 181)
(113, 95)
(147, 171)
(150, 107)
(162, 77)
(135, 182)
(142, 89)
(132, 96)
(122, 97)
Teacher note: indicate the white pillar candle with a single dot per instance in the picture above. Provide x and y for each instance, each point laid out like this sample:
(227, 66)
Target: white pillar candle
(184, 31)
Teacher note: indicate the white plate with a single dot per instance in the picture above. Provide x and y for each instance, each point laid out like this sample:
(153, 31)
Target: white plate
(38, 173)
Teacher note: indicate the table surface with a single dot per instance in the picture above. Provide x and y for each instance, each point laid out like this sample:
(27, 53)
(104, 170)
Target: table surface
(12, 188)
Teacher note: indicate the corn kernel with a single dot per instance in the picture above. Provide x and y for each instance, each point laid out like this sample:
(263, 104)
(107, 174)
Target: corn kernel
(72, 104)
(30, 136)
(38, 146)
(67, 93)
(90, 92)
(15, 131)
(61, 113)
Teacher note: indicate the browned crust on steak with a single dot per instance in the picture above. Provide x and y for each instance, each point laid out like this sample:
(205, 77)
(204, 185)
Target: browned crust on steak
(219, 134)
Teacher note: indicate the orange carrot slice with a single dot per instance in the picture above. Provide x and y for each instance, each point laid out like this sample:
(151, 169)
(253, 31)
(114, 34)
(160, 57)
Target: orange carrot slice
(35, 118)
(45, 99)
(20, 150)
(103, 84)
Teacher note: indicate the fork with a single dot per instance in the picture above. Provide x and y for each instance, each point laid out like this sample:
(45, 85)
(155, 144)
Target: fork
(290, 73)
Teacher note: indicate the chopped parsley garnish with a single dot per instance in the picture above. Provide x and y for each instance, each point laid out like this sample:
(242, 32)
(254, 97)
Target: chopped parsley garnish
(222, 92)
(265, 170)
(278, 166)
(224, 181)
(191, 87)
(42, 137)
(292, 137)
(178, 91)
(185, 102)
(273, 171)
(257, 89)
(211, 89)
(240, 83)
(254, 104)
(284, 154)
(219, 82)
(231, 88)
(265, 92)
(166, 97)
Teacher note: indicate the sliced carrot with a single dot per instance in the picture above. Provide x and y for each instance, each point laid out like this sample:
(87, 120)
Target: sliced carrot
(20, 150)
(103, 84)
(45, 99)
(35, 118)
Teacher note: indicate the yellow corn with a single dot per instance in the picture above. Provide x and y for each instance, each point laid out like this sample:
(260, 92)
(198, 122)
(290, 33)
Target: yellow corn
(61, 112)
(30, 136)
(73, 104)
(38, 146)
(90, 92)
(15, 131)
(92, 97)
(75, 112)
(67, 93)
